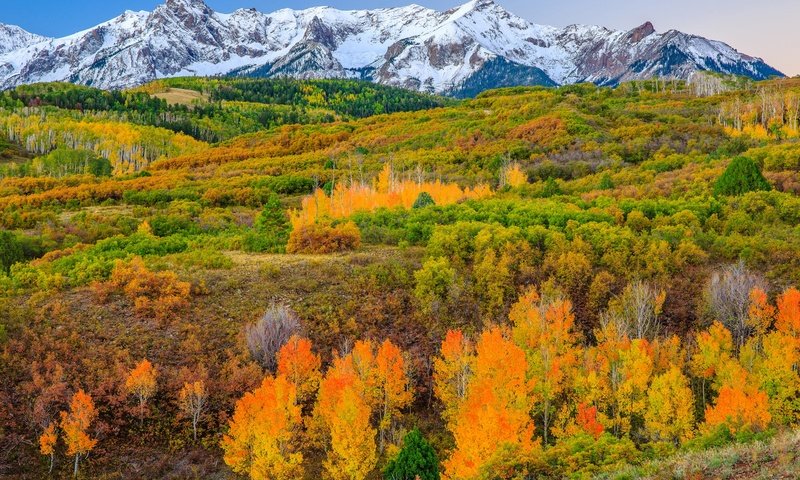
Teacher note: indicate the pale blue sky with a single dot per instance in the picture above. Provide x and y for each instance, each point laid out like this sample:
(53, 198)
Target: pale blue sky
(766, 28)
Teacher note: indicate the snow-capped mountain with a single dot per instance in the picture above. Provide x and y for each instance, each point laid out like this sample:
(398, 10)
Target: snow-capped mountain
(13, 37)
(459, 51)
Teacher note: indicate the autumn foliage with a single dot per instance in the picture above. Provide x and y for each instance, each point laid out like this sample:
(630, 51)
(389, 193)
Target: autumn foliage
(159, 295)
(141, 383)
(564, 323)
(261, 440)
(319, 238)
(312, 229)
(494, 414)
(193, 399)
(387, 191)
(738, 407)
(301, 366)
(47, 443)
(75, 425)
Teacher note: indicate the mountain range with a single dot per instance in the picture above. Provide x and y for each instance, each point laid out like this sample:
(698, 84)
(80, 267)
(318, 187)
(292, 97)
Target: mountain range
(459, 52)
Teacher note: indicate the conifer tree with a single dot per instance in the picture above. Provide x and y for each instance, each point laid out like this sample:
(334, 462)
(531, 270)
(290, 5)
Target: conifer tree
(416, 460)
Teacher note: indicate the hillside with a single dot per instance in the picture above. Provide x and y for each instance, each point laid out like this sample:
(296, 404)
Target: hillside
(547, 282)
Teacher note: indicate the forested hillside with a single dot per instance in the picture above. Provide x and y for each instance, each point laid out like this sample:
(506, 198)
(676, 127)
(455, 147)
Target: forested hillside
(571, 282)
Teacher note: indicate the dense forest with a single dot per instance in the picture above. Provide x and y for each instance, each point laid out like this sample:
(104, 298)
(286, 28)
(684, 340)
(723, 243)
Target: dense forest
(221, 108)
(366, 283)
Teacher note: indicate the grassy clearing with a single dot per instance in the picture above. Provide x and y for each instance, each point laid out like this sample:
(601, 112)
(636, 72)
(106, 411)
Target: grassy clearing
(181, 96)
(778, 458)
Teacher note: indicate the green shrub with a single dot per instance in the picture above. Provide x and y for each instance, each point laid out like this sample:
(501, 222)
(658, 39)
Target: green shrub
(434, 280)
(286, 184)
(741, 176)
(582, 456)
(166, 225)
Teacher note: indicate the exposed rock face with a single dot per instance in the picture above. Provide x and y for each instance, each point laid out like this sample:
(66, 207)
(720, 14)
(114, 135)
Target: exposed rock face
(475, 46)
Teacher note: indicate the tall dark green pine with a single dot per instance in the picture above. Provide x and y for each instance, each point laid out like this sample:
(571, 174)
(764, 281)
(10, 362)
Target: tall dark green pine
(417, 459)
(272, 218)
(741, 176)
(271, 228)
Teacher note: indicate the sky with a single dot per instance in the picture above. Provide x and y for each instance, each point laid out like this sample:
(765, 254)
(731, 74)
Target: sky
(765, 28)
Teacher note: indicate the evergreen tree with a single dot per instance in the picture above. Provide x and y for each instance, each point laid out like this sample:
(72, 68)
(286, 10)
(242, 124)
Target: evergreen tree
(741, 176)
(271, 228)
(417, 459)
(423, 200)
(11, 250)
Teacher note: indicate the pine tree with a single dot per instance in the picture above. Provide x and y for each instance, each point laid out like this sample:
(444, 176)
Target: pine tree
(417, 460)
(271, 228)
(423, 200)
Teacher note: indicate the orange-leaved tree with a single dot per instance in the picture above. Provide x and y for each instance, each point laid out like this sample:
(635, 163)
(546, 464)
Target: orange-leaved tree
(393, 382)
(260, 442)
(300, 365)
(788, 317)
(47, 443)
(75, 425)
(494, 417)
(586, 420)
(545, 331)
(141, 383)
(739, 407)
(344, 412)
(774, 358)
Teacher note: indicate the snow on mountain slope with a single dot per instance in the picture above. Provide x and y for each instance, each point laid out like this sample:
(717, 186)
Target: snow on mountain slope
(13, 37)
(477, 45)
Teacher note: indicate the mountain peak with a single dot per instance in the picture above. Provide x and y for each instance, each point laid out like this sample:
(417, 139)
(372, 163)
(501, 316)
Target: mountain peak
(473, 6)
(481, 4)
(13, 37)
(641, 32)
(184, 5)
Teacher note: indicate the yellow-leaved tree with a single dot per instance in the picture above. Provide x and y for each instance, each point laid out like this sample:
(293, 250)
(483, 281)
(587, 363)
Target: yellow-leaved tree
(260, 442)
(670, 408)
(343, 409)
(545, 331)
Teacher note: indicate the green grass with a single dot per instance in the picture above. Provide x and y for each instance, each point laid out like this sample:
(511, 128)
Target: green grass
(777, 458)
